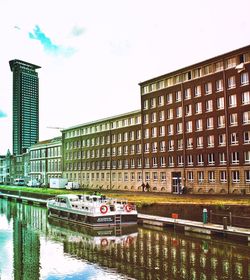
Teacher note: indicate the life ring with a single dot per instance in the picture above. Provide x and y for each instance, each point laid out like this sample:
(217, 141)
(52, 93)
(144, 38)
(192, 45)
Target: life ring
(128, 207)
(104, 209)
(104, 242)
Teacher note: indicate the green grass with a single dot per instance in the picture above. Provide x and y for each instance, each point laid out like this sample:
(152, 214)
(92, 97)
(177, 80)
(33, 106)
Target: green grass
(141, 198)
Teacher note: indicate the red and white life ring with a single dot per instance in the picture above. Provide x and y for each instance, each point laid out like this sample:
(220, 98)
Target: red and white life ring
(128, 207)
(104, 209)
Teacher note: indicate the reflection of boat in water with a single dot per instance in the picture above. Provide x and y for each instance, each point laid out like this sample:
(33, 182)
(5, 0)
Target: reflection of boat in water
(92, 210)
(95, 237)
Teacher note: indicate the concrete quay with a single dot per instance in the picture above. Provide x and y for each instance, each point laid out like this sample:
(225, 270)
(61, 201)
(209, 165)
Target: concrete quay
(196, 227)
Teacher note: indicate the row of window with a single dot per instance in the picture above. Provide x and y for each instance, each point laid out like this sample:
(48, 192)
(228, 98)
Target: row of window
(198, 72)
(177, 96)
(40, 166)
(198, 107)
(105, 126)
(211, 159)
(197, 125)
(43, 153)
(161, 146)
(161, 176)
(104, 140)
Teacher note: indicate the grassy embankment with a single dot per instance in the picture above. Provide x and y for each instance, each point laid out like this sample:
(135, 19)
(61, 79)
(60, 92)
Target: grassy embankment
(141, 198)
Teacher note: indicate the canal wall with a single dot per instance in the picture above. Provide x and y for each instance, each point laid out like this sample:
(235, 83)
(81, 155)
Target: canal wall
(237, 215)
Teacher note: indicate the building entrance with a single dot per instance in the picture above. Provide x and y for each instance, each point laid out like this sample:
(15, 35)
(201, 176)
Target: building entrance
(176, 182)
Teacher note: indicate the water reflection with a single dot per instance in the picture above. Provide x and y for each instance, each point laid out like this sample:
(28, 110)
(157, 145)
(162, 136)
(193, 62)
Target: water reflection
(40, 249)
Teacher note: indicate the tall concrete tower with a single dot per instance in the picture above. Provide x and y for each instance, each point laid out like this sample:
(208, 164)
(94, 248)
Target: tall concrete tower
(25, 105)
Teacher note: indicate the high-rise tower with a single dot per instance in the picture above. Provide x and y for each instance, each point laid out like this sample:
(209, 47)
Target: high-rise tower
(25, 105)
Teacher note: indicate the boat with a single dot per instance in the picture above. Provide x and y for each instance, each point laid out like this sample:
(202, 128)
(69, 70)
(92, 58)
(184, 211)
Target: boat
(92, 210)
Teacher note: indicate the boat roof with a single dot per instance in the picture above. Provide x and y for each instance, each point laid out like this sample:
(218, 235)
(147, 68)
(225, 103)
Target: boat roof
(67, 196)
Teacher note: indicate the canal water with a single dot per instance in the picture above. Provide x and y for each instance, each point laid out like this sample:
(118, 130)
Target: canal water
(33, 247)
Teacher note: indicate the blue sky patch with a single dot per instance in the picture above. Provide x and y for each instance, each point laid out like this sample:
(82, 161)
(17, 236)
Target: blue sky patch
(48, 45)
(2, 114)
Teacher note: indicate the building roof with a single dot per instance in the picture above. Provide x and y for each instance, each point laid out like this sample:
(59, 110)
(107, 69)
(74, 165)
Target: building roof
(21, 62)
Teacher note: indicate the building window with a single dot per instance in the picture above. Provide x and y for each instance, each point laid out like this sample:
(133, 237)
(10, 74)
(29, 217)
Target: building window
(189, 143)
(147, 176)
(198, 108)
(209, 105)
(154, 147)
(219, 85)
(200, 160)
(155, 163)
(246, 137)
(147, 165)
(244, 79)
(163, 161)
(146, 147)
(235, 176)
(234, 138)
(222, 139)
(187, 93)
(246, 117)
(163, 176)
(198, 125)
(245, 97)
(161, 100)
(154, 132)
(211, 176)
(180, 144)
(169, 98)
(161, 116)
(199, 142)
(146, 133)
(210, 158)
(162, 146)
(145, 104)
(235, 157)
(200, 176)
(162, 131)
(178, 112)
(222, 159)
(247, 176)
(221, 121)
(231, 62)
(190, 176)
(208, 88)
(190, 160)
(197, 91)
(170, 129)
(170, 114)
(188, 110)
(153, 117)
(218, 66)
(179, 128)
(210, 123)
(210, 141)
(189, 126)
(155, 176)
(223, 176)
(170, 161)
(180, 161)
(247, 157)
(231, 82)
(220, 103)
(233, 119)
(232, 100)
(152, 103)
(178, 96)
(171, 145)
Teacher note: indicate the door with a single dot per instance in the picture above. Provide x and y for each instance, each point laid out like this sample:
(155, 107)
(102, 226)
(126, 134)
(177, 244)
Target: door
(176, 182)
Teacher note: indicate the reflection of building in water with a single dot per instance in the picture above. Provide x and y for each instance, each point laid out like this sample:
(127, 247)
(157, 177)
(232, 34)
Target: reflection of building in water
(27, 222)
(162, 255)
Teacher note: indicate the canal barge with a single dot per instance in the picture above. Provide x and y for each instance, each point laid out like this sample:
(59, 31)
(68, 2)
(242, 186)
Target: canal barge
(92, 210)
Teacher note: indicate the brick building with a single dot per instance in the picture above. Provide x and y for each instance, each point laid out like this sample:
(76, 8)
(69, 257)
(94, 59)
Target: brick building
(196, 125)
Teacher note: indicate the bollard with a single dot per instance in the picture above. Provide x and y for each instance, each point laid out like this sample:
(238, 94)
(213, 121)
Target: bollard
(204, 216)
(224, 223)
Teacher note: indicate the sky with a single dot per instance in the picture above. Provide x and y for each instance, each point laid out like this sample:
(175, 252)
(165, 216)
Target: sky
(94, 53)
